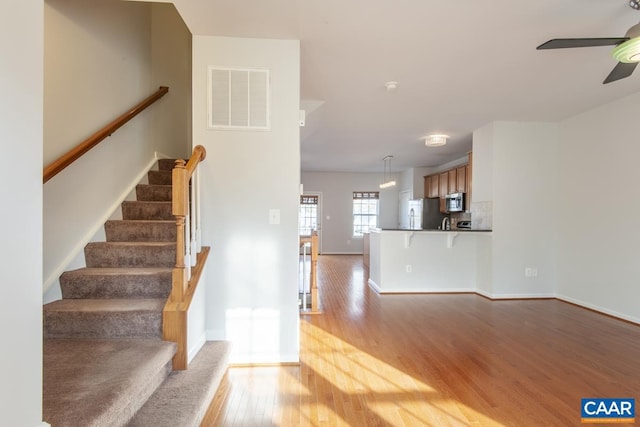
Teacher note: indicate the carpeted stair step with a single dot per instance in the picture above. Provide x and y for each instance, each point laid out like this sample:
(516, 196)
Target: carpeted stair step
(103, 318)
(182, 400)
(101, 382)
(160, 177)
(147, 210)
(166, 164)
(130, 254)
(153, 192)
(140, 231)
(97, 283)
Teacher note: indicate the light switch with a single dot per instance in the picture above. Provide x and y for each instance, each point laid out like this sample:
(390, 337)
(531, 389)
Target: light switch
(274, 216)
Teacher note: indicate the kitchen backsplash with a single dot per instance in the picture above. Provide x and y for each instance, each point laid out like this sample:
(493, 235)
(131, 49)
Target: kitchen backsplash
(459, 216)
(482, 215)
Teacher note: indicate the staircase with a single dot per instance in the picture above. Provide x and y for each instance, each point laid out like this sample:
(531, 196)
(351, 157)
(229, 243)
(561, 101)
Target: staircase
(105, 363)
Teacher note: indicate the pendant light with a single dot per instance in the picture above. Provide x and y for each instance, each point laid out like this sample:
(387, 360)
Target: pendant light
(387, 168)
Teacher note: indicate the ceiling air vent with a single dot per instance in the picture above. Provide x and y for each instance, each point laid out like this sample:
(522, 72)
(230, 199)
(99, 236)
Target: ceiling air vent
(238, 98)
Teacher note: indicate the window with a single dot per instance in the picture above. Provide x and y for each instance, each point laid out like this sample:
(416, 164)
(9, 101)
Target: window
(365, 211)
(308, 215)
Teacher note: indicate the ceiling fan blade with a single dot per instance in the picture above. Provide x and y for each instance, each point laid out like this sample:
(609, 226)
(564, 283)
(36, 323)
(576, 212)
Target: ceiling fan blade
(569, 43)
(620, 71)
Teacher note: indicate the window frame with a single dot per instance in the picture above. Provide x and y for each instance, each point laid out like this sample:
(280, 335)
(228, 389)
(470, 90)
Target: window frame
(360, 196)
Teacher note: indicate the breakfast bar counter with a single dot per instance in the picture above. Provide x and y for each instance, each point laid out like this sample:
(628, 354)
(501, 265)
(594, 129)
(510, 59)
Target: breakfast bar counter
(417, 261)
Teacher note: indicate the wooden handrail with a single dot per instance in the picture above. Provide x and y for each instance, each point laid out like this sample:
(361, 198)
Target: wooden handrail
(174, 323)
(75, 153)
(199, 154)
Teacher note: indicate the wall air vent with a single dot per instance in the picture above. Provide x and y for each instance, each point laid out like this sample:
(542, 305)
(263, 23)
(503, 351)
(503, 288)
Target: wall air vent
(238, 98)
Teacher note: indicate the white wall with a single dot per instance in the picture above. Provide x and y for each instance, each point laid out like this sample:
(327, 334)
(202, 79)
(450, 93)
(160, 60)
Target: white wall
(337, 206)
(21, 76)
(98, 64)
(434, 264)
(171, 66)
(515, 168)
(598, 209)
(253, 272)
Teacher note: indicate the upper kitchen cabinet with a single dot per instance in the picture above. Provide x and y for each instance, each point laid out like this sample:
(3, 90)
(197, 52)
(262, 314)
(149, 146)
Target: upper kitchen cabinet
(432, 186)
(455, 180)
(461, 179)
(444, 184)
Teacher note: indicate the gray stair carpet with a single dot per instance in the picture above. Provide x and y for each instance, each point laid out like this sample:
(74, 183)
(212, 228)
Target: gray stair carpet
(184, 397)
(103, 318)
(103, 352)
(96, 283)
(101, 382)
(140, 231)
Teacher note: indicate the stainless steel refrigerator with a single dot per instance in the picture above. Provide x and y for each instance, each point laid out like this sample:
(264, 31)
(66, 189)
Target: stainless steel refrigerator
(431, 215)
(423, 214)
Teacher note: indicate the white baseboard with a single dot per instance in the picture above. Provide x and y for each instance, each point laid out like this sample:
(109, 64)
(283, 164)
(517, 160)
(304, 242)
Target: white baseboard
(599, 309)
(215, 335)
(193, 351)
(484, 294)
(341, 253)
(79, 247)
(517, 296)
(428, 291)
(374, 285)
(265, 360)
(43, 424)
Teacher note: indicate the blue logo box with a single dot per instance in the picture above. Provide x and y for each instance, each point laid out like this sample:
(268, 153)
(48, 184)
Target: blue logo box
(620, 410)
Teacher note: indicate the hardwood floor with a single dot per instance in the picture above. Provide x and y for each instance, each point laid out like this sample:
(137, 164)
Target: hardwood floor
(434, 360)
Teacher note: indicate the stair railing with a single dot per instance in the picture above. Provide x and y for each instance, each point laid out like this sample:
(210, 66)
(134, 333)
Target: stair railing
(76, 152)
(190, 254)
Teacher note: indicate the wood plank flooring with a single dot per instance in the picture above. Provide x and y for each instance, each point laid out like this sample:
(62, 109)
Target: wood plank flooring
(434, 360)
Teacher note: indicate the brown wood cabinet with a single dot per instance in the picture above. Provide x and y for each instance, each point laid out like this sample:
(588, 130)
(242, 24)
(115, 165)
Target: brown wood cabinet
(453, 181)
(444, 184)
(461, 179)
(432, 186)
(456, 180)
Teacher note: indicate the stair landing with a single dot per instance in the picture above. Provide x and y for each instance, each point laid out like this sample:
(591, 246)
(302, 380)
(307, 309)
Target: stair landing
(96, 382)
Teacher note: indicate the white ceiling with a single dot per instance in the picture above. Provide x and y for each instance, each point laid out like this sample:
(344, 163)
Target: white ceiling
(459, 65)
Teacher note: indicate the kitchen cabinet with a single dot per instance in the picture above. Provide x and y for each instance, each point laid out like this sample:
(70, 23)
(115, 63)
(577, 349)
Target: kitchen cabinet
(431, 186)
(453, 181)
(456, 180)
(461, 179)
(469, 186)
(444, 184)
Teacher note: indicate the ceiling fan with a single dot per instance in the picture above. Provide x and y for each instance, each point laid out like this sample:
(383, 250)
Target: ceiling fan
(626, 51)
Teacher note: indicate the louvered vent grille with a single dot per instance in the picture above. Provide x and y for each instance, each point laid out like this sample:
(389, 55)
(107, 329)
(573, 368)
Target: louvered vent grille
(238, 98)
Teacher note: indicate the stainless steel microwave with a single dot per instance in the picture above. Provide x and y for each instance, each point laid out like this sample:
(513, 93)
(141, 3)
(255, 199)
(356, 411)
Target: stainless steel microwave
(454, 202)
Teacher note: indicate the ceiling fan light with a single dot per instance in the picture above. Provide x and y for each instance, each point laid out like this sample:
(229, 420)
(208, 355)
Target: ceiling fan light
(436, 140)
(627, 52)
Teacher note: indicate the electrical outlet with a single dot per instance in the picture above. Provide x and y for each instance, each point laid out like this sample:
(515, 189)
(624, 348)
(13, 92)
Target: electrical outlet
(534, 272)
(528, 272)
(408, 268)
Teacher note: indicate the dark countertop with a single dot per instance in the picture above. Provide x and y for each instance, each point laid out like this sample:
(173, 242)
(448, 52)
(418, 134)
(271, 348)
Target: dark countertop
(436, 229)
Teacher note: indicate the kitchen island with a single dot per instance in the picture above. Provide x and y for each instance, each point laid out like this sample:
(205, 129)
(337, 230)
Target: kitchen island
(418, 261)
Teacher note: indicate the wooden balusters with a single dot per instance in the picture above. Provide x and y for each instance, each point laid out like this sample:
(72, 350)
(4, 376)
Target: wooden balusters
(313, 239)
(174, 320)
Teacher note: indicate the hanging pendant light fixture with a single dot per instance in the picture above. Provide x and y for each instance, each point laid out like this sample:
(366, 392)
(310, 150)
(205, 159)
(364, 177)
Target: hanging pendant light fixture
(387, 168)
